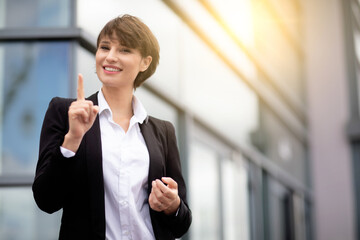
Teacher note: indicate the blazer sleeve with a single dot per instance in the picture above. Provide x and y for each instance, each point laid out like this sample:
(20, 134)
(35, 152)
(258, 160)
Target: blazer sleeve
(180, 223)
(50, 178)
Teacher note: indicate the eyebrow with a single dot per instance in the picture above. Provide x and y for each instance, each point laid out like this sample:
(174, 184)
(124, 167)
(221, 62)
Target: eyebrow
(109, 42)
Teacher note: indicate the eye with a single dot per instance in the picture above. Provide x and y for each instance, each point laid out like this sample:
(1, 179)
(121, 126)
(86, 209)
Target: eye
(125, 50)
(104, 47)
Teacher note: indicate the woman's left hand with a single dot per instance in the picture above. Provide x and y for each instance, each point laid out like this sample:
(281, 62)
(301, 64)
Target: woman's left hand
(164, 196)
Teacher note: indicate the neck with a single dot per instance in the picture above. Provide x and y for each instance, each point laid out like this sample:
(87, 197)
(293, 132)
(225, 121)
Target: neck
(119, 100)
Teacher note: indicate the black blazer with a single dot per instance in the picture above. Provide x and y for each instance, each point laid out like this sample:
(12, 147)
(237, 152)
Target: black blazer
(76, 184)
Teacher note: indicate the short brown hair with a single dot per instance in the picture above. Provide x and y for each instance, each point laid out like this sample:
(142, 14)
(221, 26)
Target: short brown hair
(133, 33)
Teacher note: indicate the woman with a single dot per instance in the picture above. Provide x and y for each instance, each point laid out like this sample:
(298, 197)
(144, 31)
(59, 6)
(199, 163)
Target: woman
(113, 170)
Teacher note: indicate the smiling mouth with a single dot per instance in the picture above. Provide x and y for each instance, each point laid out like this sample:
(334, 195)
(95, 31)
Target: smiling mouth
(111, 69)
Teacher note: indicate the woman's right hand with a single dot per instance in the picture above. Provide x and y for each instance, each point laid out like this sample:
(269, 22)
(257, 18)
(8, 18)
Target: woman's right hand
(82, 114)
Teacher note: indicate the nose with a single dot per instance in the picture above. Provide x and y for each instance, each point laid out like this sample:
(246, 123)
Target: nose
(112, 56)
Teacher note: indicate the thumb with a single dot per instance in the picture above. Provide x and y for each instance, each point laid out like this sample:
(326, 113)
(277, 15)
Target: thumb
(95, 110)
(170, 182)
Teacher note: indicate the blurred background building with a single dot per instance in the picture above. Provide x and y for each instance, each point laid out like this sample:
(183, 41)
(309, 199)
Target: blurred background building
(264, 95)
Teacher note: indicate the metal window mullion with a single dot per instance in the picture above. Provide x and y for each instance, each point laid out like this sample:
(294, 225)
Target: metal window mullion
(16, 181)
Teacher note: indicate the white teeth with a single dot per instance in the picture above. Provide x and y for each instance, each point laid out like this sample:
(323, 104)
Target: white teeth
(112, 69)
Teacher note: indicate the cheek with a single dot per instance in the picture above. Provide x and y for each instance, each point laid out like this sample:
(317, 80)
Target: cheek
(98, 63)
(99, 56)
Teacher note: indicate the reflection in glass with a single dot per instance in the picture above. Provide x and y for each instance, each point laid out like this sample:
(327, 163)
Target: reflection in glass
(280, 207)
(235, 200)
(21, 219)
(31, 13)
(299, 217)
(280, 145)
(32, 74)
(204, 193)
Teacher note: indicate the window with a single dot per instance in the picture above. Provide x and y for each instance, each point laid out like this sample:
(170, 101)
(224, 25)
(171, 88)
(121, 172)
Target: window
(32, 74)
(20, 218)
(235, 202)
(34, 13)
(218, 189)
(280, 145)
(280, 211)
(204, 193)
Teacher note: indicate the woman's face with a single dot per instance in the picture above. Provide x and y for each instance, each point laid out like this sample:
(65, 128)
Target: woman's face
(116, 65)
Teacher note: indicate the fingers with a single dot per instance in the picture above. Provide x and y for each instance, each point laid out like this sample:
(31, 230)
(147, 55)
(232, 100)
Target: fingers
(82, 114)
(95, 110)
(154, 203)
(170, 182)
(80, 110)
(84, 110)
(164, 191)
(162, 197)
(158, 199)
(80, 88)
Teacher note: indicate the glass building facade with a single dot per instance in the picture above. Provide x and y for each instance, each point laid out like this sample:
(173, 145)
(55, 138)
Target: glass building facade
(231, 80)
(352, 36)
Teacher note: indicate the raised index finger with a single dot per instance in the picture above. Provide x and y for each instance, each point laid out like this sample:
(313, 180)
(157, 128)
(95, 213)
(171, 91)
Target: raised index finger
(80, 88)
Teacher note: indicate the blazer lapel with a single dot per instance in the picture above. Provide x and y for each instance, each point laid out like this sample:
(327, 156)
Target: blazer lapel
(157, 158)
(93, 153)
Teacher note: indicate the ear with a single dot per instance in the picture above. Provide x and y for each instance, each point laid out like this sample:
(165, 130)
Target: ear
(145, 63)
